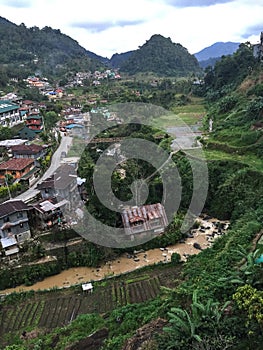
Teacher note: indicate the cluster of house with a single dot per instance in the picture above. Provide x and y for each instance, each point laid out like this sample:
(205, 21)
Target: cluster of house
(52, 93)
(57, 205)
(108, 115)
(73, 121)
(18, 218)
(44, 87)
(14, 110)
(96, 77)
(33, 81)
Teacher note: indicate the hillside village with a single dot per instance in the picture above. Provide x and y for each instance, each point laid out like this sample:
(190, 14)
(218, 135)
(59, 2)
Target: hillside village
(45, 186)
(26, 157)
(22, 157)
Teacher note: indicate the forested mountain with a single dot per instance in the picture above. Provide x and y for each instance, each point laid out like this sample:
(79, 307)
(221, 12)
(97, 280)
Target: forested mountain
(26, 50)
(118, 59)
(161, 56)
(206, 57)
(46, 50)
(53, 53)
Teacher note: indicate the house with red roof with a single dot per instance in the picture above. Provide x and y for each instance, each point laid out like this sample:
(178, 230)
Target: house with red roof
(20, 169)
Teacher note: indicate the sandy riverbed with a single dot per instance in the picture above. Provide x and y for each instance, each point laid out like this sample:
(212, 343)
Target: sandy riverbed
(123, 264)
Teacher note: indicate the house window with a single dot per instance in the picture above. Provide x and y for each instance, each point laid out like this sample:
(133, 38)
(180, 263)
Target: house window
(21, 224)
(19, 214)
(6, 219)
(137, 223)
(46, 190)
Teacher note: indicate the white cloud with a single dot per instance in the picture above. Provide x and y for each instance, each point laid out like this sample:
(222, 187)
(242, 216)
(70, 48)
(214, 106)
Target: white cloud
(106, 27)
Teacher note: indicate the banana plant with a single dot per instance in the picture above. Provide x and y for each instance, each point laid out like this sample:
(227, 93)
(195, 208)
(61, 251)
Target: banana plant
(248, 272)
(184, 324)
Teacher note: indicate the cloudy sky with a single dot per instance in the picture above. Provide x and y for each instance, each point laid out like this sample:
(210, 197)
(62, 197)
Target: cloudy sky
(109, 26)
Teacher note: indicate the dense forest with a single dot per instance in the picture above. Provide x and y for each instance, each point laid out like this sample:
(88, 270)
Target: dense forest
(27, 50)
(162, 57)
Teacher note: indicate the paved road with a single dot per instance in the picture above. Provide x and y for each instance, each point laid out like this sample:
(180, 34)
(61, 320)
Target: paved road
(55, 162)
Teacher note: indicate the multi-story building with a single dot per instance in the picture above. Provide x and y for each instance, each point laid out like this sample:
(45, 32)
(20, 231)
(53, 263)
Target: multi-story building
(9, 114)
(34, 121)
(61, 185)
(48, 213)
(16, 167)
(14, 220)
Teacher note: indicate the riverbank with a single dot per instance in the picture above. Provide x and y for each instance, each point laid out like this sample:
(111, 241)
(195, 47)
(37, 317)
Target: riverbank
(199, 239)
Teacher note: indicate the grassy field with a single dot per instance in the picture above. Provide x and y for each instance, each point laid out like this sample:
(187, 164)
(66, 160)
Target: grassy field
(251, 160)
(189, 114)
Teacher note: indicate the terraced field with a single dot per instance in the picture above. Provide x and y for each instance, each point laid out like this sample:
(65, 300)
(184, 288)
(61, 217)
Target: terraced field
(60, 307)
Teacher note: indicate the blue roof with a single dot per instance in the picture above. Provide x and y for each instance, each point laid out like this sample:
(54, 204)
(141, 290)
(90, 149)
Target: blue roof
(71, 126)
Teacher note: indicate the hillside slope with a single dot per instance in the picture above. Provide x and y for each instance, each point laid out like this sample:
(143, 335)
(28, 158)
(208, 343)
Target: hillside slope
(47, 50)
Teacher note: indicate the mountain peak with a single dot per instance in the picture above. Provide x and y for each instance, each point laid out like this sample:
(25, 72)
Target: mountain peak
(161, 56)
(216, 50)
(158, 38)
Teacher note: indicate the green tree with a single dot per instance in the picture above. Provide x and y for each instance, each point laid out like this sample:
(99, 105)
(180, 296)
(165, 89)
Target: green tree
(5, 133)
(50, 119)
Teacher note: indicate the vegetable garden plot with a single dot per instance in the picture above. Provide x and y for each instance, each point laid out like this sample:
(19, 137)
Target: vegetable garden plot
(59, 308)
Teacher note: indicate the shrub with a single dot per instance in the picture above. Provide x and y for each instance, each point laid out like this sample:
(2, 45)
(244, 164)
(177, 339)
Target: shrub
(175, 258)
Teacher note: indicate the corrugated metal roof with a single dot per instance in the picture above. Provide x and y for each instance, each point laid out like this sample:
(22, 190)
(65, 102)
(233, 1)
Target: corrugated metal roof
(142, 213)
(47, 206)
(61, 179)
(27, 149)
(34, 116)
(12, 142)
(7, 106)
(12, 206)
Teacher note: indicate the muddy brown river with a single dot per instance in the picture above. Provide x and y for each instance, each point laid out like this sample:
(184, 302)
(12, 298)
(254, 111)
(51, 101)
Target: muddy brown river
(124, 263)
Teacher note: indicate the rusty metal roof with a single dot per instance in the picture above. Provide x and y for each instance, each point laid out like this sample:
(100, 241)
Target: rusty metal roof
(142, 213)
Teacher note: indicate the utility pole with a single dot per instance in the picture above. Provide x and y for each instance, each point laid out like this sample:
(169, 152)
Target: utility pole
(8, 189)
